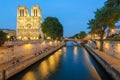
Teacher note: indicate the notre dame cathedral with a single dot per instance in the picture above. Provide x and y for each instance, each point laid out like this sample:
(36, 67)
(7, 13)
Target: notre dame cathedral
(29, 25)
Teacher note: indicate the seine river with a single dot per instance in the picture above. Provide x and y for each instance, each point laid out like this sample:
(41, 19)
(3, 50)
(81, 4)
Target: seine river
(68, 63)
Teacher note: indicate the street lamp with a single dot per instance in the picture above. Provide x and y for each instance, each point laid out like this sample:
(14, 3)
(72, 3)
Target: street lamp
(55, 42)
(58, 42)
(8, 37)
(13, 55)
(43, 44)
(50, 43)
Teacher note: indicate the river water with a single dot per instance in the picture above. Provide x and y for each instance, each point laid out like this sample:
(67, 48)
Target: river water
(68, 63)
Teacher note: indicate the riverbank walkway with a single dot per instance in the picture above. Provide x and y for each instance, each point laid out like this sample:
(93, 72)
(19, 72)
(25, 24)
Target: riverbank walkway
(14, 66)
(113, 62)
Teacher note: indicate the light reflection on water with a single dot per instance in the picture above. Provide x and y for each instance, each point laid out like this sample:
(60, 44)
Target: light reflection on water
(64, 49)
(90, 66)
(75, 52)
(45, 68)
(29, 76)
(68, 63)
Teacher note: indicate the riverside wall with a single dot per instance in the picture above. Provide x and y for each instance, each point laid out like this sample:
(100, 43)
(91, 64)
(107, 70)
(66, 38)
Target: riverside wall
(27, 54)
(107, 62)
(110, 47)
(15, 50)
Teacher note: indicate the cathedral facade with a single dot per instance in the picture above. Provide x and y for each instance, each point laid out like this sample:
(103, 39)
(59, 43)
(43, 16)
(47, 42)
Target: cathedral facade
(29, 25)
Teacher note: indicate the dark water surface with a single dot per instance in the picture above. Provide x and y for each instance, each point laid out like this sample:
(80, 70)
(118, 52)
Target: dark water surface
(68, 63)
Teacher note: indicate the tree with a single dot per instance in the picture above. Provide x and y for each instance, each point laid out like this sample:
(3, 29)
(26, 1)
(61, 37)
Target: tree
(3, 37)
(83, 34)
(112, 3)
(105, 17)
(95, 28)
(80, 35)
(51, 27)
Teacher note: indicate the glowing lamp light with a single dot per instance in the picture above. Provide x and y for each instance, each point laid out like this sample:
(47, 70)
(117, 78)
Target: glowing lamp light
(96, 35)
(55, 42)
(107, 45)
(58, 42)
(49, 38)
(37, 38)
(118, 45)
(8, 36)
(19, 37)
(50, 43)
(28, 46)
(25, 38)
(112, 30)
(104, 37)
(43, 43)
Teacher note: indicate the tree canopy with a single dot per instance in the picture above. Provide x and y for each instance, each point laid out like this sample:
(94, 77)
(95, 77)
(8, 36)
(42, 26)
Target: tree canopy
(106, 17)
(51, 27)
(112, 3)
(80, 35)
(3, 37)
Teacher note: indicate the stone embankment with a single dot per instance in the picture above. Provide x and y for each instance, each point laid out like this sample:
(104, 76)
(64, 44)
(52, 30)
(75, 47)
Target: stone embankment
(110, 47)
(14, 66)
(108, 62)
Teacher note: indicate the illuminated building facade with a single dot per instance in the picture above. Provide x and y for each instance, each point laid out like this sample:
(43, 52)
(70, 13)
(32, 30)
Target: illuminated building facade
(29, 26)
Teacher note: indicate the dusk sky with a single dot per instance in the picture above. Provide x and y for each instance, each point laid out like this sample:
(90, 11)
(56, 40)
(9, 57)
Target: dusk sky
(73, 14)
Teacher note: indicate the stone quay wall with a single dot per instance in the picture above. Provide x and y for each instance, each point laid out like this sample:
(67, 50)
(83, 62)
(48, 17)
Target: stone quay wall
(30, 53)
(18, 49)
(106, 64)
(110, 47)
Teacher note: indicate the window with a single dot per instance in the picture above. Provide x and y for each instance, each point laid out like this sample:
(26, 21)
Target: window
(35, 12)
(22, 12)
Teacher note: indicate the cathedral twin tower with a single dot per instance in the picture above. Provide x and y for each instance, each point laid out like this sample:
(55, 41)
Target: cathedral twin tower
(29, 26)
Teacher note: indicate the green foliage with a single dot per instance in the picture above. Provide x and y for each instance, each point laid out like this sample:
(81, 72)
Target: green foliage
(94, 27)
(80, 35)
(117, 37)
(51, 27)
(112, 3)
(2, 37)
(106, 17)
(83, 34)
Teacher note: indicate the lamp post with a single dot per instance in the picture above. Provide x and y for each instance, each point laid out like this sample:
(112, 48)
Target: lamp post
(13, 55)
(8, 37)
(13, 45)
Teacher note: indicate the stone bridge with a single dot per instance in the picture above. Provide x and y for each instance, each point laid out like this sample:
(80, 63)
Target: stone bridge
(73, 40)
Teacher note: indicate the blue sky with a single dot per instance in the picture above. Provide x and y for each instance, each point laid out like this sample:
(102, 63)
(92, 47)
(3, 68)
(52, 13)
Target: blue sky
(73, 14)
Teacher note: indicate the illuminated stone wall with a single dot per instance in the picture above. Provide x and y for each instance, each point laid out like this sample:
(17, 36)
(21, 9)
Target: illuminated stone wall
(111, 47)
(24, 49)
(29, 26)
(7, 54)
